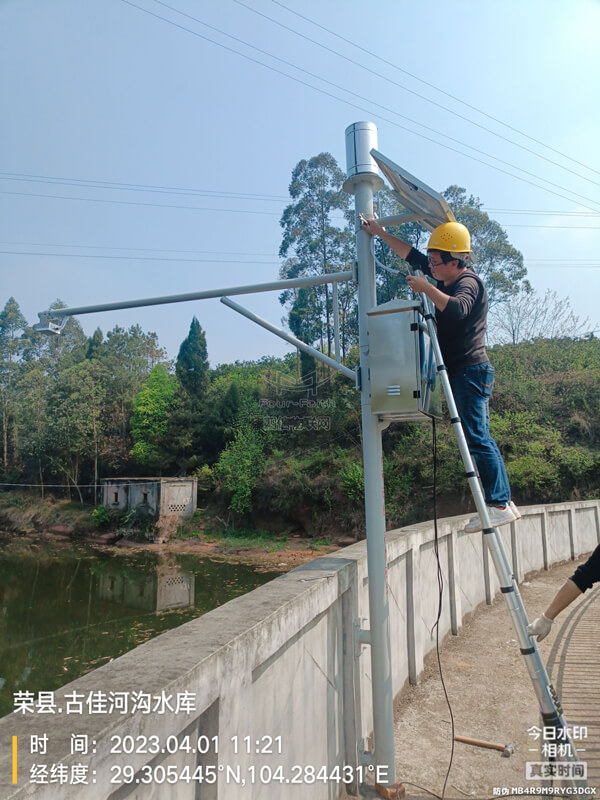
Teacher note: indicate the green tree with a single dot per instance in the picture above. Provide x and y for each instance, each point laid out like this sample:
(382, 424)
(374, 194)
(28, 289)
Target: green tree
(33, 421)
(240, 467)
(313, 244)
(95, 344)
(306, 324)
(348, 298)
(191, 367)
(183, 449)
(75, 430)
(127, 357)
(12, 330)
(219, 421)
(57, 351)
(150, 417)
(497, 262)
(183, 446)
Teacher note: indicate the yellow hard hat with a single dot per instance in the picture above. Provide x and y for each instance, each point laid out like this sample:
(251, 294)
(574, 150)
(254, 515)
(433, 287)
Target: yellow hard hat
(451, 237)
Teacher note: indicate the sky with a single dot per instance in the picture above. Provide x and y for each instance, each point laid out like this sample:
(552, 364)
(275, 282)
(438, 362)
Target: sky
(146, 147)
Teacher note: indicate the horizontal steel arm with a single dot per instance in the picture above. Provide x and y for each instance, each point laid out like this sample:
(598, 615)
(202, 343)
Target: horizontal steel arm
(313, 280)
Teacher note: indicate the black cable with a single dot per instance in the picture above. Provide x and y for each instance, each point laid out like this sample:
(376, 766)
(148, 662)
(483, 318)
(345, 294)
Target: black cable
(554, 227)
(138, 249)
(531, 262)
(422, 788)
(347, 102)
(85, 183)
(539, 212)
(142, 258)
(440, 577)
(436, 625)
(566, 266)
(90, 183)
(411, 91)
(361, 97)
(139, 203)
(355, 45)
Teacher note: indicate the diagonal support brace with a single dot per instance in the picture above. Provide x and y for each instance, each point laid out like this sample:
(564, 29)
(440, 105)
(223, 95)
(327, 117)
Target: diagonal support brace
(349, 373)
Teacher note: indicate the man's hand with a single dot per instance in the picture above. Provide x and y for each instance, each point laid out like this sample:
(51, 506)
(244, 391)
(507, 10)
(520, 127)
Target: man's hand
(372, 227)
(418, 283)
(540, 627)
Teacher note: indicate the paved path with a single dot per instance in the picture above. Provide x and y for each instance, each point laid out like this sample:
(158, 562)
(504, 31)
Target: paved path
(492, 698)
(574, 667)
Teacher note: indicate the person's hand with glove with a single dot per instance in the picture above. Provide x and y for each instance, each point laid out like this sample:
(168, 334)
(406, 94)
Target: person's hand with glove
(540, 627)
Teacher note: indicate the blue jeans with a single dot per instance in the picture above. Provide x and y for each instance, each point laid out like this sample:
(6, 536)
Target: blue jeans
(472, 389)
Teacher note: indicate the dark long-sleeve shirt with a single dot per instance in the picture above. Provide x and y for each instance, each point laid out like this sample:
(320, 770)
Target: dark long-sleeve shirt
(589, 573)
(462, 324)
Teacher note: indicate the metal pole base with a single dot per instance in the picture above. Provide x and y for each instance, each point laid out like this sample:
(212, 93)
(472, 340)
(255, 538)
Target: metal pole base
(394, 792)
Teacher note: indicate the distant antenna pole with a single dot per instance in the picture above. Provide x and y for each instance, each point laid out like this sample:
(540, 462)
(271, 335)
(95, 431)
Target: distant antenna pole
(362, 181)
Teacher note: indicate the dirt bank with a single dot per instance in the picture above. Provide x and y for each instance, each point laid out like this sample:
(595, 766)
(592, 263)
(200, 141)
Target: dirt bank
(285, 557)
(59, 522)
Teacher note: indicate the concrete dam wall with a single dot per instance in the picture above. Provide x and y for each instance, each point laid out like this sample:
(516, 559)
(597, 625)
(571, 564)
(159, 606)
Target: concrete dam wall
(269, 695)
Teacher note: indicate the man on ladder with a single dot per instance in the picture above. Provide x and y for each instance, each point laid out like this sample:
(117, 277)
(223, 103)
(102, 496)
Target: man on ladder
(461, 306)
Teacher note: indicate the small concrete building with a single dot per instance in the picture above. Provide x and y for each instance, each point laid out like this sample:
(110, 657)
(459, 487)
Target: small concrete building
(162, 497)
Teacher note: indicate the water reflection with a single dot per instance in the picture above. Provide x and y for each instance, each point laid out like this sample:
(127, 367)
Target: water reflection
(66, 612)
(168, 587)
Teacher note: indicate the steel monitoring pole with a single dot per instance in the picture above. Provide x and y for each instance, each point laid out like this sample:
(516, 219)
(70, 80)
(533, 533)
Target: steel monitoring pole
(362, 181)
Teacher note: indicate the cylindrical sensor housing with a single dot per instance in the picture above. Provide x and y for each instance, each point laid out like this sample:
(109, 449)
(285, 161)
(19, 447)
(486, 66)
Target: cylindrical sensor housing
(361, 138)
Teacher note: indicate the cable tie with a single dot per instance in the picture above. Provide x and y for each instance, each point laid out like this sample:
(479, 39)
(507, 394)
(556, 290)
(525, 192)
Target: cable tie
(527, 651)
(507, 589)
(470, 474)
(454, 420)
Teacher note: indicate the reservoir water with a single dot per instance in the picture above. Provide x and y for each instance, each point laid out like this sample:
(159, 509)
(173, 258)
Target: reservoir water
(65, 611)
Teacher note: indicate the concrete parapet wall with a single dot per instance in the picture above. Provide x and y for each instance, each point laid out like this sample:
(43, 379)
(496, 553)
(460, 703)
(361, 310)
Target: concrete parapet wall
(277, 670)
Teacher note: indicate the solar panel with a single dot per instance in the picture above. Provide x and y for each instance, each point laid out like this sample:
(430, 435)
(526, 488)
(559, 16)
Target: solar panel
(415, 195)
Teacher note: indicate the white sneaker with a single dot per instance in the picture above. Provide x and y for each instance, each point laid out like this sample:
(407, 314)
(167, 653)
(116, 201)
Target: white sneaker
(498, 516)
(515, 510)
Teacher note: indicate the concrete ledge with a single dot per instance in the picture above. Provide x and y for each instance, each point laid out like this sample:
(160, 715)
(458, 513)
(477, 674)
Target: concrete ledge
(277, 669)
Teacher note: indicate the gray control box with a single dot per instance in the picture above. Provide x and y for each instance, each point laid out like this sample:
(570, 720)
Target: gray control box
(404, 383)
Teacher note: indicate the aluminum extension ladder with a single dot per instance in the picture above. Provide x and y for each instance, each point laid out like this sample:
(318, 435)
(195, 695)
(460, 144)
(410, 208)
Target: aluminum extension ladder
(550, 707)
